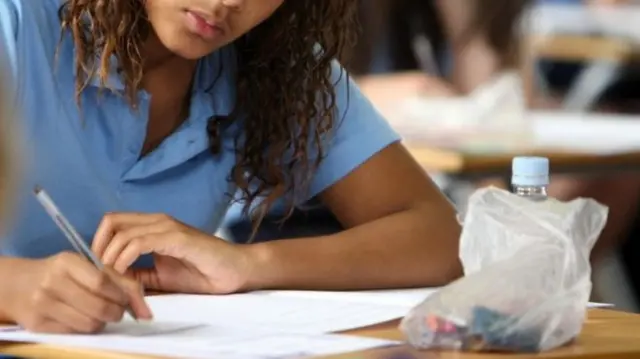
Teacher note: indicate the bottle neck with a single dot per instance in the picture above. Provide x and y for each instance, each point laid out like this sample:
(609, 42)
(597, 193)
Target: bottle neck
(537, 193)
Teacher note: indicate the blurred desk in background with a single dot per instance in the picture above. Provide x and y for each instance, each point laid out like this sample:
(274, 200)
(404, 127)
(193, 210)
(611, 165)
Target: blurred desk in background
(619, 21)
(470, 165)
(574, 143)
(582, 48)
(606, 38)
(604, 58)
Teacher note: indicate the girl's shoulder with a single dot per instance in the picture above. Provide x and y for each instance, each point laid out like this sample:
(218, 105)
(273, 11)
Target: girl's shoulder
(29, 10)
(33, 19)
(30, 31)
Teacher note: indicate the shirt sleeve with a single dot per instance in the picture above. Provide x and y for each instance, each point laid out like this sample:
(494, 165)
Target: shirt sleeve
(9, 25)
(360, 132)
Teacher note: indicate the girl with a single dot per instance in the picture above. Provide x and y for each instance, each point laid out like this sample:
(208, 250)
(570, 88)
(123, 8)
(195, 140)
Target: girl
(479, 34)
(156, 111)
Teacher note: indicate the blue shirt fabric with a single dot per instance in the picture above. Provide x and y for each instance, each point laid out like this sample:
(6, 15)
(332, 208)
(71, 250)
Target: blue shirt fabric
(87, 157)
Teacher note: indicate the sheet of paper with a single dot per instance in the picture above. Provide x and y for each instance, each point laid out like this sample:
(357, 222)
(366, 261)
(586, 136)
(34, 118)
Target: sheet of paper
(599, 305)
(259, 325)
(269, 313)
(131, 329)
(407, 298)
(306, 312)
(600, 134)
(203, 343)
(611, 21)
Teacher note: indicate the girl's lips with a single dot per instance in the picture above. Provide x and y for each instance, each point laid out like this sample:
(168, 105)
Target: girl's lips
(201, 27)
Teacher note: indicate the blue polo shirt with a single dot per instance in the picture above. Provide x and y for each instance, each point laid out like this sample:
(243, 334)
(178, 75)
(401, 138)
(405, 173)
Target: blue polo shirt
(88, 159)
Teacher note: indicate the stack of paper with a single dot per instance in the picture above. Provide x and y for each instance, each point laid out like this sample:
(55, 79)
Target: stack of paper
(246, 326)
(307, 312)
(257, 325)
(188, 341)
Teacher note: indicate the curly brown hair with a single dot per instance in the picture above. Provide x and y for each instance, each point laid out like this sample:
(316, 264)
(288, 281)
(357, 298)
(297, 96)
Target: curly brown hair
(285, 93)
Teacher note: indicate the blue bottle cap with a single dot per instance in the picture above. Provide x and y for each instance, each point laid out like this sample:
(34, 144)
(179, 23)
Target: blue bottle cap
(530, 171)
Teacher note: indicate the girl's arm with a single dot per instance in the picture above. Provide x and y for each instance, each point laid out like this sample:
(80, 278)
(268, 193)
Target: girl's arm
(401, 232)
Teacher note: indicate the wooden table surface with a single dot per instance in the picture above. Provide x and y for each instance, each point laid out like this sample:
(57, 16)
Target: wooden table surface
(607, 334)
(584, 48)
(455, 162)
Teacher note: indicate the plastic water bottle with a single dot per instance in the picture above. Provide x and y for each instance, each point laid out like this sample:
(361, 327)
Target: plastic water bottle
(530, 177)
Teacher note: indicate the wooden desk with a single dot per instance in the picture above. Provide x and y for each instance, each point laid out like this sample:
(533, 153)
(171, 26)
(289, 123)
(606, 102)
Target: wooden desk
(610, 21)
(605, 58)
(607, 334)
(574, 143)
(577, 48)
(458, 163)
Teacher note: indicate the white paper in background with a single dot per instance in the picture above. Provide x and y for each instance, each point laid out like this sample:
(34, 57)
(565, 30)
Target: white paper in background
(610, 21)
(492, 117)
(599, 305)
(600, 134)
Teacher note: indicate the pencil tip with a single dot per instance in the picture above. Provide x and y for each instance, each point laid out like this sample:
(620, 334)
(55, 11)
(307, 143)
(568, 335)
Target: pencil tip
(37, 189)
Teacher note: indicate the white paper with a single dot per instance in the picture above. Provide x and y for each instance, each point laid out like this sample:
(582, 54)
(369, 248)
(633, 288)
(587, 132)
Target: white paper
(202, 344)
(610, 21)
(596, 134)
(591, 133)
(595, 305)
(396, 297)
(300, 312)
(272, 312)
(258, 325)
(407, 298)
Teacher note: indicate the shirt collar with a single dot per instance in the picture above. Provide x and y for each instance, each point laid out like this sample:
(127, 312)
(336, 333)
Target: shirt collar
(213, 95)
(214, 82)
(114, 80)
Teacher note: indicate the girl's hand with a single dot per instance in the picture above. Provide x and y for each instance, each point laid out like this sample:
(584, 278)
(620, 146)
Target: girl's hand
(67, 294)
(186, 260)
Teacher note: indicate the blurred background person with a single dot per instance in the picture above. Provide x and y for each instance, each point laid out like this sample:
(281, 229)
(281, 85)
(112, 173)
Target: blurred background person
(468, 41)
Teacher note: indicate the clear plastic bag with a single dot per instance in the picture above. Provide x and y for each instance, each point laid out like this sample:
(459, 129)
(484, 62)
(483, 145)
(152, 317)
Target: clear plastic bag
(527, 277)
